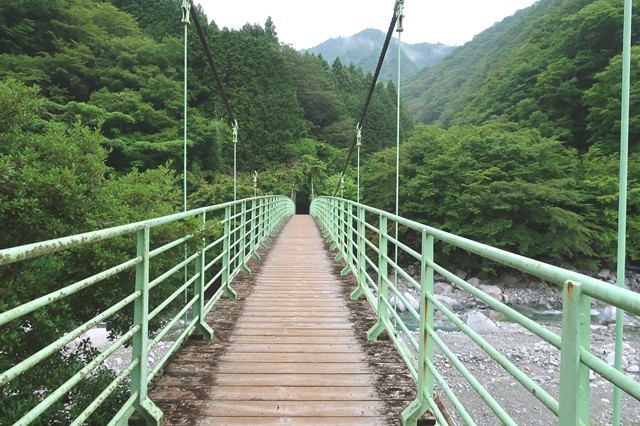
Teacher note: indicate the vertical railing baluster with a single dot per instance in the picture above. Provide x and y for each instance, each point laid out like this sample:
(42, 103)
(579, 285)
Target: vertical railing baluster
(243, 238)
(348, 239)
(382, 308)
(140, 343)
(198, 290)
(254, 228)
(361, 254)
(340, 233)
(574, 376)
(226, 263)
(420, 405)
(261, 223)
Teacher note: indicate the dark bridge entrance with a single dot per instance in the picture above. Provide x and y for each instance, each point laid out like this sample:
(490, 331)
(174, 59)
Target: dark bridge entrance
(303, 203)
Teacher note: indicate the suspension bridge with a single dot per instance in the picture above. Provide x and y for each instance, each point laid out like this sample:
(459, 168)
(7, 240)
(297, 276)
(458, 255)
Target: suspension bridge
(274, 317)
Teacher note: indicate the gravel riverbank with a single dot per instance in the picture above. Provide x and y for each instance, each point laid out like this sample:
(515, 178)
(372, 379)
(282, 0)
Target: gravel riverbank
(538, 359)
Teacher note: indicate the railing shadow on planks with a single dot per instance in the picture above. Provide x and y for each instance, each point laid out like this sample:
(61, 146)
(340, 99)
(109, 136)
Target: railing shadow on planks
(211, 245)
(364, 239)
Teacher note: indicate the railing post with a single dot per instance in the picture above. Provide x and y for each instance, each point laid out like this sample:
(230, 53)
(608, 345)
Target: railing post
(198, 290)
(243, 239)
(379, 326)
(198, 308)
(340, 232)
(361, 255)
(420, 405)
(261, 223)
(348, 244)
(268, 220)
(574, 376)
(333, 224)
(140, 343)
(253, 234)
(226, 263)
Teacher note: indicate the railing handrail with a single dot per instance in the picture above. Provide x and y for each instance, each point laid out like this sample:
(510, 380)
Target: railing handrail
(593, 287)
(248, 224)
(41, 248)
(348, 225)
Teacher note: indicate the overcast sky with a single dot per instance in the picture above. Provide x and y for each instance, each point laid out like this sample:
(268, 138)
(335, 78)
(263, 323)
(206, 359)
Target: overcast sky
(307, 23)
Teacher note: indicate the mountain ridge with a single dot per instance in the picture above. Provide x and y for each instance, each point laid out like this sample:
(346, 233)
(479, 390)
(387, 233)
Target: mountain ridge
(363, 50)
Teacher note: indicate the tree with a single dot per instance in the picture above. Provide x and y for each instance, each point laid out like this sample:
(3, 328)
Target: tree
(497, 184)
(53, 183)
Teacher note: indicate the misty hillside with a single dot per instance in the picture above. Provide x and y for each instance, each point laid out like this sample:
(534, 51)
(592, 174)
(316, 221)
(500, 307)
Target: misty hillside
(363, 50)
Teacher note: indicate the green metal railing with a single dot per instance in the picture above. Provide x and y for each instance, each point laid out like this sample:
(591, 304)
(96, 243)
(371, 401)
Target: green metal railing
(247, 225)
(362, 235)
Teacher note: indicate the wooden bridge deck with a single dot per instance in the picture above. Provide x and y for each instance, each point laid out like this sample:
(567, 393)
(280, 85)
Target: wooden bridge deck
(289, 351)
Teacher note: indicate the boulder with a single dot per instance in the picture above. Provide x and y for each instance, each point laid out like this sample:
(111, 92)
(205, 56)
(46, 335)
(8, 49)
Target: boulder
(481, 324)
(462, 274)
(604, 274)
(449, 302)
(509, 280)
(474, 281)
(611, 359)
(606, 316)
(492, 291)
(442, 288)
(397, 303)
(415, 304)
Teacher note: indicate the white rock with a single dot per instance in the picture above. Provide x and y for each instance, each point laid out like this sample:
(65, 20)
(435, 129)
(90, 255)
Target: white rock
(442, 288)
(474, 281)
(606, 316)
(492, 291)
(604, 274)
(415, 303)
(611, 358)
(449, 302)
(397, 302)
(481, 324)
(634, 368)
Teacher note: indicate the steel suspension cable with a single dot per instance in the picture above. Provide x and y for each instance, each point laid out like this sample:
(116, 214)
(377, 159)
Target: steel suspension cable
(216, 77)
(365, 108)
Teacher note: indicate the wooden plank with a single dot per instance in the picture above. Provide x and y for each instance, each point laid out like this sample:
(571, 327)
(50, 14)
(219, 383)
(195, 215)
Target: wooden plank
(289, 421)
(270, 379)
(286, 408)
(292, 325)
(263, 348)
(267, 393)
(298, 319)
(248, 331)
(271, 368)
(272, 347)
(288, 339)
(318, 357)
(293, 368)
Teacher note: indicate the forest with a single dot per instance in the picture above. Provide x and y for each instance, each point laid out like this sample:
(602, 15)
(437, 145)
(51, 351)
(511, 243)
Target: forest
(511, 140)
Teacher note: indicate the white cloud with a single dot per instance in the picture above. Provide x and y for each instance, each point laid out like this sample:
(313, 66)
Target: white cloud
(305, 24)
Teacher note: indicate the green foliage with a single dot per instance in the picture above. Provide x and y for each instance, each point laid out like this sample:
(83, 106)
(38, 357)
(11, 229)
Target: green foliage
(54, 182)
(533, 68)
(599, 178)
(603, 100)
(498, 184)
